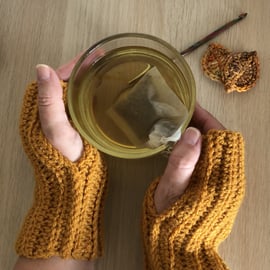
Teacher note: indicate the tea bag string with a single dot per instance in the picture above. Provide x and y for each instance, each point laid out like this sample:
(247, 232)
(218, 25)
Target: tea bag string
(148, 67)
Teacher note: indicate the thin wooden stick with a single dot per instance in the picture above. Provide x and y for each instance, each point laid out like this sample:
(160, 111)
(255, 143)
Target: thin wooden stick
(213, 34)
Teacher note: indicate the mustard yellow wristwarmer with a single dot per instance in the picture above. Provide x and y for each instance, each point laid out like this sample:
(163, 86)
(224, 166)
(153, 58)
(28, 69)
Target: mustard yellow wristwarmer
(187, 235)
(66, 217)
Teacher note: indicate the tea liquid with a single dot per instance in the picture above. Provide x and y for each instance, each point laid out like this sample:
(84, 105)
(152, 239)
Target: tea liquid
(107, 78)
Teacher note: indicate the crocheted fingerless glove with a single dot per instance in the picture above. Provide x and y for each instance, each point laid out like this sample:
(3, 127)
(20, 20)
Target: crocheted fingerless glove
(187, 235)
(65, 219)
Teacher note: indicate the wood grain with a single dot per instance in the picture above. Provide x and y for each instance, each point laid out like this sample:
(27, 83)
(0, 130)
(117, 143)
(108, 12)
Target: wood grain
(52, 32)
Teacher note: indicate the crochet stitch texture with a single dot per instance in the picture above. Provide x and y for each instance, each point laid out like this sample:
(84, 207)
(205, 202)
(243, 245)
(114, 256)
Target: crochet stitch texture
(66, 217)
(187, 235)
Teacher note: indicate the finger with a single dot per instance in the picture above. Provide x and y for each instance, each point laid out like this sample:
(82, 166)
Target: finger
(179, 169)
(50, 94)
(204, 121)
(54, 121)
(65, 70)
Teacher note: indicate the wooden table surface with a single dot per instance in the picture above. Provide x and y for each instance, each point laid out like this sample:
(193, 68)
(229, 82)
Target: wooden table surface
(52, 32)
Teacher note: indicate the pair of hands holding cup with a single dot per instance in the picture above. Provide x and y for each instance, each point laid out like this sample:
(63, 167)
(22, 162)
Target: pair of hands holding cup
(59, 132)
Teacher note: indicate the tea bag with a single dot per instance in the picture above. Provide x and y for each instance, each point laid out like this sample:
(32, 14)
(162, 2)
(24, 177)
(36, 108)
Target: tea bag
(149, 113)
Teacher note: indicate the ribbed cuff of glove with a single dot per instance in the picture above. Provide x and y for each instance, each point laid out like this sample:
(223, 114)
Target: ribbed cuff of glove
(66, 217)
(187, 235)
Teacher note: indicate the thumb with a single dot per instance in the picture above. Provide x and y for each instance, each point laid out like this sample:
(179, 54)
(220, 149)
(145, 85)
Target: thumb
(54, 121)
(179, 169)
(50, 102)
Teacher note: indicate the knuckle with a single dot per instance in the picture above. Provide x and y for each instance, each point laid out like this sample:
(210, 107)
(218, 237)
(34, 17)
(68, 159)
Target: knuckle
(181, 162)
(45, 101)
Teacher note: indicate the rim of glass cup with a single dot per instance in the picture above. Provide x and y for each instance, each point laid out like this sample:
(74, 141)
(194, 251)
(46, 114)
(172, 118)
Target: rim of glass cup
(128, 153)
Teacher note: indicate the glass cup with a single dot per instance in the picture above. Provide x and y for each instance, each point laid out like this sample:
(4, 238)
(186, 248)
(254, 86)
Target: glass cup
(104, 70)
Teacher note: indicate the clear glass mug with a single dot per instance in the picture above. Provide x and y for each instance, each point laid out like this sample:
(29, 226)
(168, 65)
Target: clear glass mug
(91, 87)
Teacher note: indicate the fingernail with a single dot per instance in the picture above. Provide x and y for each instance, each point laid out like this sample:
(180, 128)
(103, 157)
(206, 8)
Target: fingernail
(191, 136)
(43, 72)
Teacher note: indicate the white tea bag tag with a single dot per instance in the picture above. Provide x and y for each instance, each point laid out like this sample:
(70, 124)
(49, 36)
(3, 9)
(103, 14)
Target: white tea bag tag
(158, 137)
(150, 113)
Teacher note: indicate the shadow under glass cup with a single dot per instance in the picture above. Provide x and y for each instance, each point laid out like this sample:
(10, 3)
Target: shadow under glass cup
(105, 70)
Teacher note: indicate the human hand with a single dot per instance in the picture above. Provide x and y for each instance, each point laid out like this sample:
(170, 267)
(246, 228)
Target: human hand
(183, 159)
(54, 121)
(65, 191)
